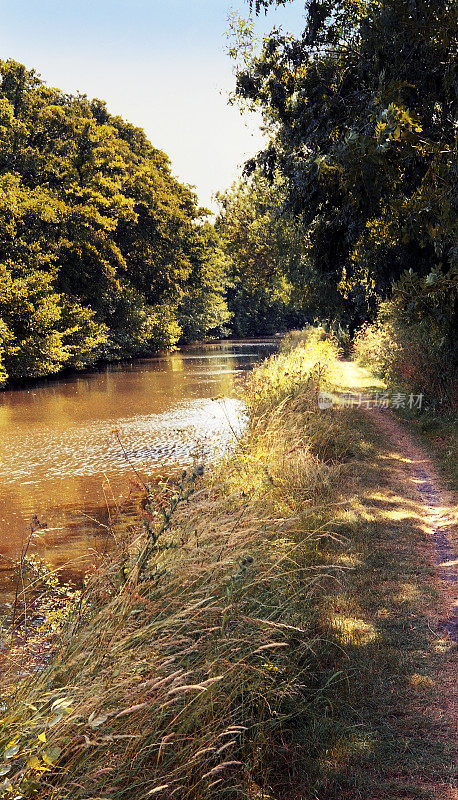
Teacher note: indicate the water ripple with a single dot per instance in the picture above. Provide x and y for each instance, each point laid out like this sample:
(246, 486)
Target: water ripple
(202, 427)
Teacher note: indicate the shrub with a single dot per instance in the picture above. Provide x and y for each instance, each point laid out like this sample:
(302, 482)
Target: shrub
(412, 342)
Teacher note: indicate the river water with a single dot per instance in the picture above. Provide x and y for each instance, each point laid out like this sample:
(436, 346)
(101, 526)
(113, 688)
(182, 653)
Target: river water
(68, 448)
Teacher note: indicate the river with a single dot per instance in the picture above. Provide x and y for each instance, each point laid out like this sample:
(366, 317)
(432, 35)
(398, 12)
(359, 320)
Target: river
(69, 447)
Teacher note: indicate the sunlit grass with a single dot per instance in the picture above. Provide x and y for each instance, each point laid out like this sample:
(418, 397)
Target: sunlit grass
(353, 631)
(264, 646)
(182, 664)
(350, 376)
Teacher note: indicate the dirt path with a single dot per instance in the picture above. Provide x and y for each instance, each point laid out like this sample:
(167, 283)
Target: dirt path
(438, 505)
(418, 491)
(439, 512)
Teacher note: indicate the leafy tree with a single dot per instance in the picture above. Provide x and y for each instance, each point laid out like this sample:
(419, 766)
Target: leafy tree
(270, 286)
(362, 115)
(42, 331)
(203, 307)
(101, 248)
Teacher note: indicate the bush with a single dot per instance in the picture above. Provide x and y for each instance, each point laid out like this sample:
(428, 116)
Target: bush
(307, 359)
(412, 342)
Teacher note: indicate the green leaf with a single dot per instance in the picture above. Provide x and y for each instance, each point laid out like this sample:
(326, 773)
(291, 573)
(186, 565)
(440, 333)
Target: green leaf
(51, 755)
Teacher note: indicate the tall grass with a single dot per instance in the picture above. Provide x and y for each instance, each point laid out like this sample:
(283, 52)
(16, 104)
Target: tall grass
(199, 662)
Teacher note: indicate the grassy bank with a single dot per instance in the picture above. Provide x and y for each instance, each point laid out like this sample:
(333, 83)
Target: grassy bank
(268, 633)
(439, 432)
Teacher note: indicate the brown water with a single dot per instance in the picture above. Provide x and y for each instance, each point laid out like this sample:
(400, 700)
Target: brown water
(61, 460)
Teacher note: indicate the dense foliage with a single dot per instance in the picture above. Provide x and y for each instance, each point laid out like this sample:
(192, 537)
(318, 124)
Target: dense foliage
(411, 344)
(103, 253)
(362, 115)
(268, 290)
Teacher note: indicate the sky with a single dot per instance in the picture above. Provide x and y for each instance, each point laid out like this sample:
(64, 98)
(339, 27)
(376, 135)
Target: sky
(160, 64)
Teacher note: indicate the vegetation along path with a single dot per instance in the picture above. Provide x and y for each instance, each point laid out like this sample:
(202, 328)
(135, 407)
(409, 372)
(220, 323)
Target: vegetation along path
(281, 628)
(420, 481)
(415, 500)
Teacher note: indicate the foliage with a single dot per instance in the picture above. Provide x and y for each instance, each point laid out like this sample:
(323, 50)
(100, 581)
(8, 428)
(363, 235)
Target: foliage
(268, 288)
(5, 335)
(362, 112)
(334, 333)
(97, 239)
(135, 326)
(42, 602)
(412, 343)
(307, 359)
(203, 306)
(30, 626)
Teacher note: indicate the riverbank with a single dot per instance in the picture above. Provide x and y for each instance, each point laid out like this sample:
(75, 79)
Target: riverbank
(271, 633)
(104, 365)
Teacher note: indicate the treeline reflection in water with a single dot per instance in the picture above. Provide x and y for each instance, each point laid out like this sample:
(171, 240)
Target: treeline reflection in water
(68, 447)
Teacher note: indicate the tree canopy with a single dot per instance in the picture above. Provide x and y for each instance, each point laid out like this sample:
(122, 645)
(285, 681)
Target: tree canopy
(271, 287)
(103, 253)
(362, 118)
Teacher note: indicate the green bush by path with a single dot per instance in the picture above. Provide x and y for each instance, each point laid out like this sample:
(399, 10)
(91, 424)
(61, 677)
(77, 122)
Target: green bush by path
(412, 344)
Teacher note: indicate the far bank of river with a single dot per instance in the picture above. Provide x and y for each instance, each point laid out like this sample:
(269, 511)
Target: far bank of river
(60, 457)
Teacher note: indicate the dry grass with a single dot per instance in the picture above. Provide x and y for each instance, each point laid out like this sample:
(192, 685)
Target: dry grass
(192, 666)
(228, 649)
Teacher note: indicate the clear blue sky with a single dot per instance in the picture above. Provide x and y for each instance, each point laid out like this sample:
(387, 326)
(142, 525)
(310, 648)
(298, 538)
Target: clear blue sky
(161, 64)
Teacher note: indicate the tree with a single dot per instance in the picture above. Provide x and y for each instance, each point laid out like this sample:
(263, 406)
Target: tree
(272, 284)
(203, 308)
(41, 330)
(362, 114)
(101, 248)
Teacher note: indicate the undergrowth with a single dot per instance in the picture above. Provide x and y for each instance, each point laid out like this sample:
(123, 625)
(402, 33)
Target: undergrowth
(193, 663)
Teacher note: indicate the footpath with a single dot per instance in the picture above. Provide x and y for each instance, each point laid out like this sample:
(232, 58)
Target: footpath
(416, 515)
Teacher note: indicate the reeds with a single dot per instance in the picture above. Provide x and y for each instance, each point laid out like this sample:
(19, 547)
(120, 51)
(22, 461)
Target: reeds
(198, 664)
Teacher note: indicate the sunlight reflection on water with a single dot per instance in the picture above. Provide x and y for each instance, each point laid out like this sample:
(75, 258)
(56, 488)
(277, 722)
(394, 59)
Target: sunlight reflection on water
(202, 427)
(60, 457)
